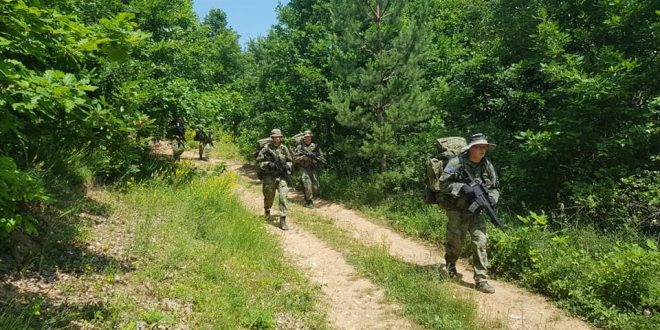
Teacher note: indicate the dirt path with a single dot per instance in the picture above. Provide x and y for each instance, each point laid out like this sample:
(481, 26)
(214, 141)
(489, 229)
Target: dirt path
(354, 302)
(517, 307)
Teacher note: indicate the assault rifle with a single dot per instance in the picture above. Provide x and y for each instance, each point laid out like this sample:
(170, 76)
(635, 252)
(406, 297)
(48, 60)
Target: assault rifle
(482, 201)
(313, 156)
(281, 168)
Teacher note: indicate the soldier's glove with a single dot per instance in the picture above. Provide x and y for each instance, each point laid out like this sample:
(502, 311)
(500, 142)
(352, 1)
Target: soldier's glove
(467, 190)
(492, 201)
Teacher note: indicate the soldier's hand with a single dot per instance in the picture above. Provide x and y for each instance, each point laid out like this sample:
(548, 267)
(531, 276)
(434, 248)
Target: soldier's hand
(467, 190)
(272, 165)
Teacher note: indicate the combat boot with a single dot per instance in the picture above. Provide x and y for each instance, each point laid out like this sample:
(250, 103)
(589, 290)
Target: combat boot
(484, 287)
(283, 225)
(267, 214)
(309, 204)
(451, 270)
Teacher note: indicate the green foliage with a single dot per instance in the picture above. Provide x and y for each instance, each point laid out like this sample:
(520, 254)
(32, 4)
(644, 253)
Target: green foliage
(86, 84)
(16, 189)
(378, 88)
(611, 285)
(405, 211)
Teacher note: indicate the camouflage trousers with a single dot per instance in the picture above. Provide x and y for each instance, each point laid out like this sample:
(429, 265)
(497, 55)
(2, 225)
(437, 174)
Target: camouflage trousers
(204, 149)
(310, 182)
(178, 147)
(270, 184)
(461, 222)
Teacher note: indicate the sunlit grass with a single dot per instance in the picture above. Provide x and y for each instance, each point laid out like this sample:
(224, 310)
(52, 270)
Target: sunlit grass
(205, 252)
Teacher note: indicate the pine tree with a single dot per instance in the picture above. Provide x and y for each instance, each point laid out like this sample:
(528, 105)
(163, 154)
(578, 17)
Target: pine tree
(378, 87)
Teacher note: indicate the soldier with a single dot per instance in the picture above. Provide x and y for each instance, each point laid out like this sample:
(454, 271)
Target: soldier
(275, 162)
(308, 157)
(462, 215)
(177, 133)
(205, 139)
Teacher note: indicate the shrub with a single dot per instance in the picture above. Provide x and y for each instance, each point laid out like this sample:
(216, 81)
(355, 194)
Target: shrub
(16, 189)
(611, 284)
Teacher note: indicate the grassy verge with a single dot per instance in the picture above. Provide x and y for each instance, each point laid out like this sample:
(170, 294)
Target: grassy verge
(203, 249)
(196, 259)
(404, 211)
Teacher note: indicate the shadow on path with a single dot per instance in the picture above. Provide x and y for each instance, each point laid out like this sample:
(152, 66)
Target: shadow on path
(33, 269)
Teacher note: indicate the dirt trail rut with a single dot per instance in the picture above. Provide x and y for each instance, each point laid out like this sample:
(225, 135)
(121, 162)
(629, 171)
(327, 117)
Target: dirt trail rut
(518, 308)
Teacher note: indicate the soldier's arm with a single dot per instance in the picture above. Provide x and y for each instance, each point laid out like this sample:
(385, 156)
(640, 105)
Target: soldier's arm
(262, 158)
(288, 156)
(298, 154)
(494, 185)
(450, 178)
(320, 155)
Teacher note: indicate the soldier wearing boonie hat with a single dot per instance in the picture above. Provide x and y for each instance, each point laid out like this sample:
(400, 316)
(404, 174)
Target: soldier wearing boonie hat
(269, 157)
(461, 219)
(308, 157)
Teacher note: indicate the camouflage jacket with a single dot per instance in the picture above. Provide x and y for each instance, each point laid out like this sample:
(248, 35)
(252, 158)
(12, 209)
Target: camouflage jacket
(453, 178)
(305, 161)
(271, 153)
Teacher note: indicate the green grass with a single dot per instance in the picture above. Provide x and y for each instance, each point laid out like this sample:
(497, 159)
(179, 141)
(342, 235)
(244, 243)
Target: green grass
(201, 260)
(225, 147)
(204, 249)
(404, 211)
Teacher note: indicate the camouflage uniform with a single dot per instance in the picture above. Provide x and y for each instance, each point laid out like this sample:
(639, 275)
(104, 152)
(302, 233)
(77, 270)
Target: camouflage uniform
(205, 142)
(272, 180)
(177, 133)
(461, 220)
(308, 167)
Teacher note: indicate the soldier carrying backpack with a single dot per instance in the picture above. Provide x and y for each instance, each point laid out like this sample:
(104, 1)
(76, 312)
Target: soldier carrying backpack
(205, 139)
(466, 185)
(274, 161)
(176, 131)
(308, 157)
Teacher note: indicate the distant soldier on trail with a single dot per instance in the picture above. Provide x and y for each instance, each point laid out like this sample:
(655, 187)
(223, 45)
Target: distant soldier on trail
(275, 161)
(308, 157)
(205, 139)
(463, 215)
(177, 133)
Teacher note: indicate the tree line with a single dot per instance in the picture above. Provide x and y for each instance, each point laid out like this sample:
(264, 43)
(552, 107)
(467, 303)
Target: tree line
(568, 89)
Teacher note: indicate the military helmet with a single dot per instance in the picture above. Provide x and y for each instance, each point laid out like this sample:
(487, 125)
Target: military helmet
(479, 138)
(307, 133)
(276, 132)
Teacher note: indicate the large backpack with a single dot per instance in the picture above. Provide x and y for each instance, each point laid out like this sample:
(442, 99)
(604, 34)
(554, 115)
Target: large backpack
(260, 145)
(447, 148)
(297, 139)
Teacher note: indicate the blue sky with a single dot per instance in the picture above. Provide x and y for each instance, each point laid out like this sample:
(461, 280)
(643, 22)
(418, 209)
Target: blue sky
(250, 18)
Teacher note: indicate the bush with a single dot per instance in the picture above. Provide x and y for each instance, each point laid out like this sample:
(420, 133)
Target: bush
(611, 285)
(17, 188)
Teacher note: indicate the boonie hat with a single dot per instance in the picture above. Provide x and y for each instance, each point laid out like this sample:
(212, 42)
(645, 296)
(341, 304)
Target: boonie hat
(479, 138)
(276, 132)
(308, 133)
